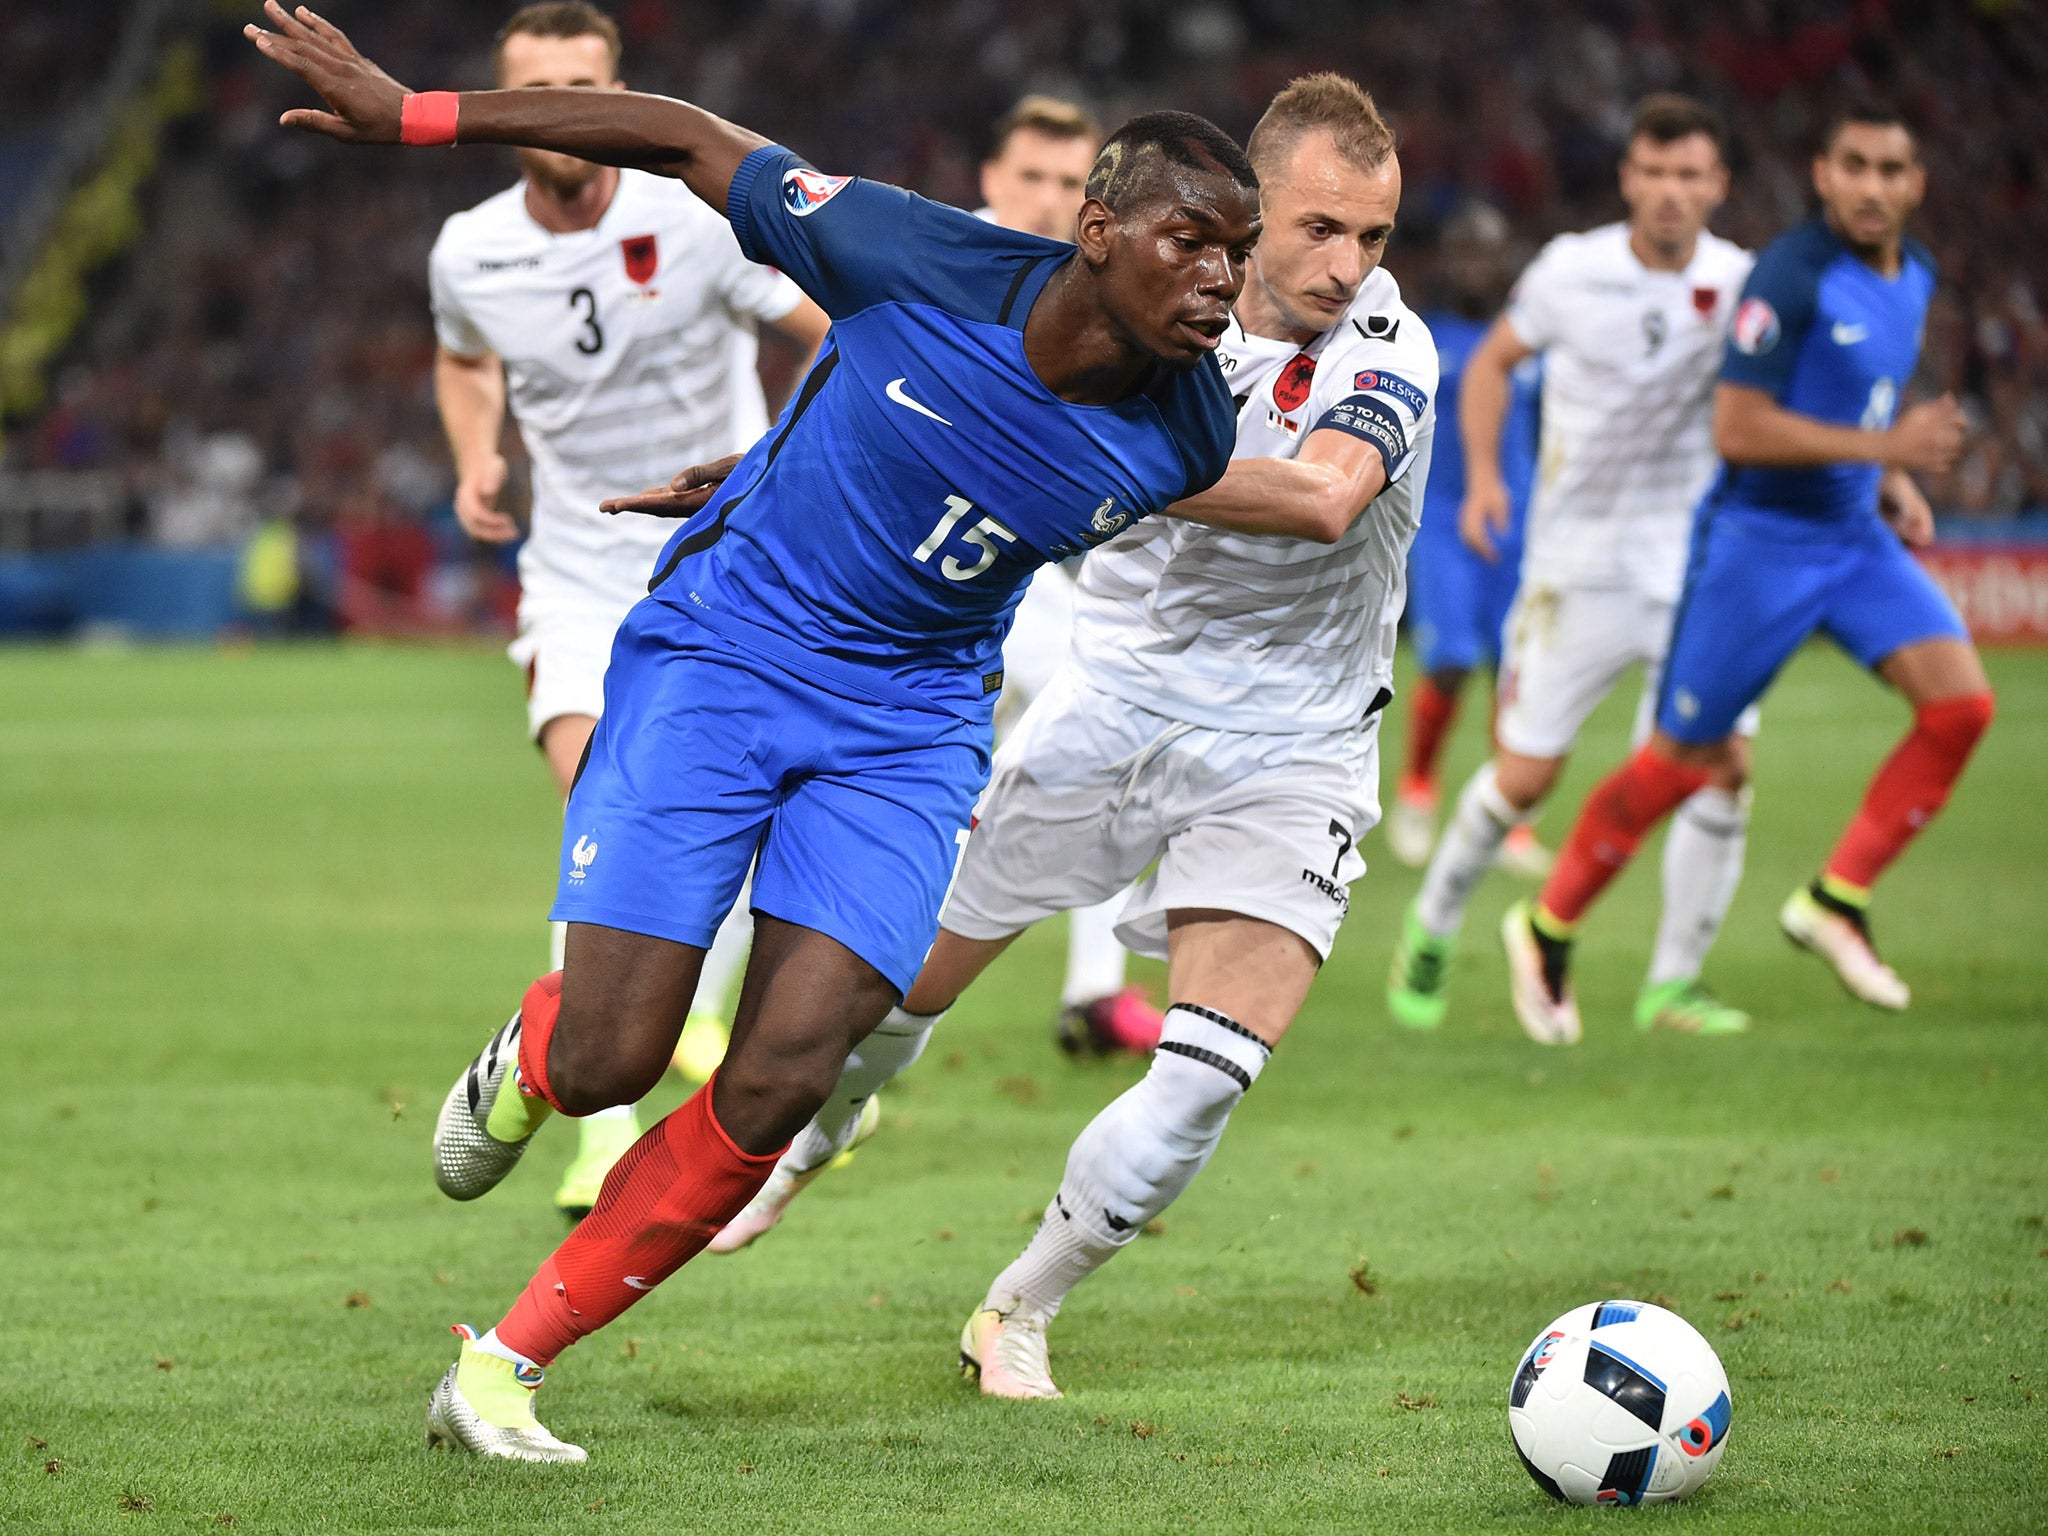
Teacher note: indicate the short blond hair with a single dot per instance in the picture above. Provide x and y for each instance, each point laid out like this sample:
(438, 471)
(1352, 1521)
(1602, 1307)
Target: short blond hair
(560, 18)
(1321, 103)
(1049, 115)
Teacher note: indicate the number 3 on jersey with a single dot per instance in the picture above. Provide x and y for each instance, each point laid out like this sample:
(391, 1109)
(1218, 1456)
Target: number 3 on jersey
(957, 507)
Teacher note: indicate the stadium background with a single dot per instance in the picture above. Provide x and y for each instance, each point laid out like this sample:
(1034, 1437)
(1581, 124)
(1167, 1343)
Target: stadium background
(260, 900)
(217, 349)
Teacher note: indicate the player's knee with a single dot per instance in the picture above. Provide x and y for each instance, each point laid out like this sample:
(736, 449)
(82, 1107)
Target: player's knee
(1957, 724)
(763, 1099)
(1731, 771)
(588, 1071)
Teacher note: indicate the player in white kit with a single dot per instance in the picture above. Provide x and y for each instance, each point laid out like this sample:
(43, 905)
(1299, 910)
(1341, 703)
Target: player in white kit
(1218, 714)
(1033, 180)
(613, 313)
(1630, 319)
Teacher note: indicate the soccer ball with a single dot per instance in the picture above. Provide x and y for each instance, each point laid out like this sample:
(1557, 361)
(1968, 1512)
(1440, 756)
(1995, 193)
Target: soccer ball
(1619, 1402)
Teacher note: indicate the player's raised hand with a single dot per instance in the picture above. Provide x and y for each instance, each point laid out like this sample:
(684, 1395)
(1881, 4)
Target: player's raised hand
(683, 496)
(365, 101)
(1928, 436)
(476, 501)
(1484, 517)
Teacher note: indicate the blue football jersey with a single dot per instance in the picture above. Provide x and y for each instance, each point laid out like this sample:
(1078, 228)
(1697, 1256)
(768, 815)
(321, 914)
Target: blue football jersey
(883, 531)
(1833, 339)
(1457, 338)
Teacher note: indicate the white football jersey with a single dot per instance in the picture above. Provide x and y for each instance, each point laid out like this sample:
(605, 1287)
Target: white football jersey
(1246, 632)
(1629, 362)
(629, 354)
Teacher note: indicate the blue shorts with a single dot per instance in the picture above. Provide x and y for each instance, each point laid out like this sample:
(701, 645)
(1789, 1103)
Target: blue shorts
(1759, 582)
(1457, 602)
(708, 753)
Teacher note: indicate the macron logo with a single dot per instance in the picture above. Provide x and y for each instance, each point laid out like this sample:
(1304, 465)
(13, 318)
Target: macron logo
(1847, 333)
(636, 1282)
(901, 396)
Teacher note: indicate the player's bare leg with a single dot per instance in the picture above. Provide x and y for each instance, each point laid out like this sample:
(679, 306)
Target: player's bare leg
(807, 1002)
(847, 1117)
(1952, 703)
(1237, 984)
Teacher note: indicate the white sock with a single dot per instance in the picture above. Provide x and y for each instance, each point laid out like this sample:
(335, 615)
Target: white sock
(718, 983)
(558, 945)
(1465, 853)
(1095, 960)
(1136, 1157)
(897, 1042)
(1702, 866)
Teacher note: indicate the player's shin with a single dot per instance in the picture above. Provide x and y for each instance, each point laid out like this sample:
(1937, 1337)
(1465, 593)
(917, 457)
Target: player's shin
(1136, 1157)
(1431, 710)
(1469, 847)
(1911, 787)
(680, 1184)
(1702, 867)
(1612, 824)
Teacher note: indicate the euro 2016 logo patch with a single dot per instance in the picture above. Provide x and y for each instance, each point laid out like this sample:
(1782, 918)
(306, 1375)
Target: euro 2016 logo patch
(805, 191)
(1756, 327)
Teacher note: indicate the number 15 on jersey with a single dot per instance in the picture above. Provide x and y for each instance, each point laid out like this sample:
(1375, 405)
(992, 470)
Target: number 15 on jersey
(979, 536)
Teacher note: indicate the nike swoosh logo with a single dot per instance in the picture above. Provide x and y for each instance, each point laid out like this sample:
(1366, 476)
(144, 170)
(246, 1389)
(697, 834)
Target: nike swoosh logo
(896, 392)
(1847, 335)
(637, 1283)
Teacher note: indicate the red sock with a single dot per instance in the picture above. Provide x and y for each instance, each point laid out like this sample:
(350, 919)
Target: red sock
(667, 1198)
(1430, 714)
(538, 1011)
(1612, 824)
(1913, 784)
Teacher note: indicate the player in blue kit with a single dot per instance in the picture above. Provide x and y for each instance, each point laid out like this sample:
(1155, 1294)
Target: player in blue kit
(1458, 595)
(809, 683)
(1804, 532)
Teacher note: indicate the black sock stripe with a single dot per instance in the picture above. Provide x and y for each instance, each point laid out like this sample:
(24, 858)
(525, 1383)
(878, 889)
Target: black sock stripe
(1222, 1019)
(1222, 1064)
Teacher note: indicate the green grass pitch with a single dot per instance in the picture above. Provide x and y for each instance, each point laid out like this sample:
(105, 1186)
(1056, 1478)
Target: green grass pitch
(259, 908)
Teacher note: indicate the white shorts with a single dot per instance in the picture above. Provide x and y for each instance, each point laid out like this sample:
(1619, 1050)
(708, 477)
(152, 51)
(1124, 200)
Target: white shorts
(1090, 790)
(1566, 649)
(1040, 635)
(565, 643)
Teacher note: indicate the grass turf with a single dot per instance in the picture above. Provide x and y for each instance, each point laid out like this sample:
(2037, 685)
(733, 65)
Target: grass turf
(262, 906)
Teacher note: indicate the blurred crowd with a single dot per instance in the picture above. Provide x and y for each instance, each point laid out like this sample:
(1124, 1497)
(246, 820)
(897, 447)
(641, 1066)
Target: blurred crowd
(263, 352)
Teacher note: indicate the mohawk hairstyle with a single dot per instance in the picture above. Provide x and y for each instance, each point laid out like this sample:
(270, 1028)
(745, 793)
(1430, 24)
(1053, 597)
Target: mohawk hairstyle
(1132, 166)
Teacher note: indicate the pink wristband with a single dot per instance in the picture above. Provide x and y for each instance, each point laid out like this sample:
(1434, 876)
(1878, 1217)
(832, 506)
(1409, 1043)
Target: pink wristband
(428, 118)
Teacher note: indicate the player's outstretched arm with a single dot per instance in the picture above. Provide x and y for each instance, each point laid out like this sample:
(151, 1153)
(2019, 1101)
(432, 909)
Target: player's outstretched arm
(1317, 495)
(367, 106)
(684, 496)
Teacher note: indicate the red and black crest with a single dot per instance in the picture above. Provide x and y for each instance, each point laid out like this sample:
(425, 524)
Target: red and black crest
(1706, 301)
(1290, 390)
(642, 259)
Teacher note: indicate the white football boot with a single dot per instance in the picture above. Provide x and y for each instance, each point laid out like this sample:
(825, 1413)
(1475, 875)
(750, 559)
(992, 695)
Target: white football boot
(1545, 1006)
(468, 1160)
(1411, 829)
(1006, 1352)
(1843, 940)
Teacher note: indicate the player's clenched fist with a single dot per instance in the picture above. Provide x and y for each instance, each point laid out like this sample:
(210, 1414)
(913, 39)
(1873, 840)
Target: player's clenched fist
(683, 496)
(476, 501)
(366, 102)
(1928, 436)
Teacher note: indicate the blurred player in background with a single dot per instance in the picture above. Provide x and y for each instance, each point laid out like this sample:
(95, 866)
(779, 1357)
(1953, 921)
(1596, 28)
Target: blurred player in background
(1033, 180)
(1219, 714)
(1804, 532)
(1458, 599)
(612, 312)
(1630, 319)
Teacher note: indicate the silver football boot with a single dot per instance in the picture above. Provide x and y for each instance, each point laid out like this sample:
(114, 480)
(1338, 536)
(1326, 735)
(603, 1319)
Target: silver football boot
(468, 1159)
(484, 1405)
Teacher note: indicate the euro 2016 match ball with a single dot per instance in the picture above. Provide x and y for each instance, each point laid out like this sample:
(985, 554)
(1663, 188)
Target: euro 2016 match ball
(1619, 1402)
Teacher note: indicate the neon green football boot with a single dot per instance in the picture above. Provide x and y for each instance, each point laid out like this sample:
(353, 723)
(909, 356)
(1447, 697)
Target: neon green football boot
(484, 1405)
(1415, 986)
(1689, 1009)
(604, 1142)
